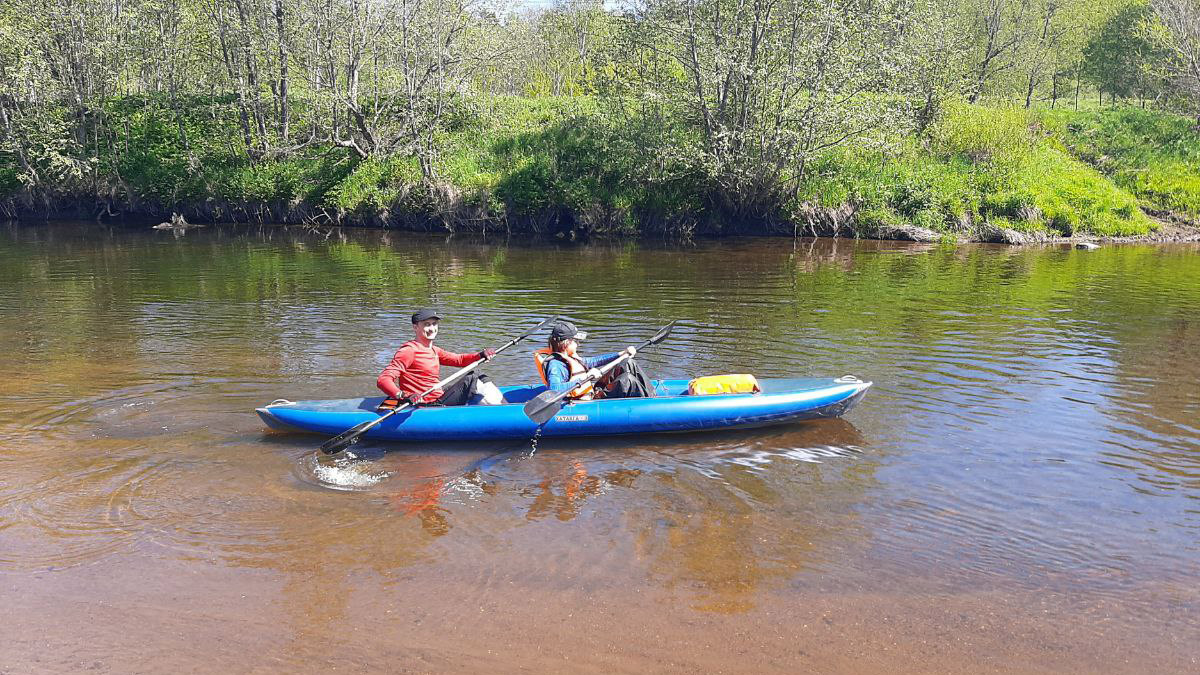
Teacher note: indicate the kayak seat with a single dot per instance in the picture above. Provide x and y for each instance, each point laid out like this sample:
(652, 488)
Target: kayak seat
(521, 393)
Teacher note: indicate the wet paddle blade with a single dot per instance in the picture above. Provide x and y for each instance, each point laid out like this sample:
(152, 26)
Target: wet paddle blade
(341, 441)
(346, 437)
(545, 406)
(350, 436)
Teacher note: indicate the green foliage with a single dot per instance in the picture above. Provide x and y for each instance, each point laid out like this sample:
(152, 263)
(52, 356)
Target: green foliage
(911, 186)
(993, 165)
(10, 177)
(1119, 59)
(569, 163)
(540, 159)
(53, 155)
(1001, 136)
(374, 184)
(586, 166)
(183, 153)
(1154, 155)
(1067, 196)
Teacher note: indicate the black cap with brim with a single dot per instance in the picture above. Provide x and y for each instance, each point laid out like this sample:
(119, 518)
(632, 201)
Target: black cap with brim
(423, 314)
(565, 330)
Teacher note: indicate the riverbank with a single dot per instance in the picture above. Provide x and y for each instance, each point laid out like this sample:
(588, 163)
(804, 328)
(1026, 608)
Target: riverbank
(573, 168)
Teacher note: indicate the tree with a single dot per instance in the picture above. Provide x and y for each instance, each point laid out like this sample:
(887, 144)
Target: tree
(764, 85)
(998, 30)
(938, 64)
(1117, 59)
(570, 36)
(1179, 35)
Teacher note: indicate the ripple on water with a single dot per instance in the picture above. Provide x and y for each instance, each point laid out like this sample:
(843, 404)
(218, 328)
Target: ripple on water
(56, 509)
(172, 505)
(103, 477)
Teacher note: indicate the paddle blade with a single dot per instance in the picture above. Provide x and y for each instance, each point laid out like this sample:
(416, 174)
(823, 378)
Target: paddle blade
(544, 406)
(344, 439)
(540, 326)
(351, 435)
(661, 334)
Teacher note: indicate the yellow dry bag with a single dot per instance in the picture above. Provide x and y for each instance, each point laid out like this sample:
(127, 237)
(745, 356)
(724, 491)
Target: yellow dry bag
(723, 384)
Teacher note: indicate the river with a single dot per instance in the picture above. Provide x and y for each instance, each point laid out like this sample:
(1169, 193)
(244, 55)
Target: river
(1019, 491)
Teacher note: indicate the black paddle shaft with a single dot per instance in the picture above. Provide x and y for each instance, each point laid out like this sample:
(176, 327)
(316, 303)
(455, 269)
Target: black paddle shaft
(349, 436)
(547, 404)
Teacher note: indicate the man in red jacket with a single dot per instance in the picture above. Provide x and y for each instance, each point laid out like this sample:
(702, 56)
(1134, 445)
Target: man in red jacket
(417, 364)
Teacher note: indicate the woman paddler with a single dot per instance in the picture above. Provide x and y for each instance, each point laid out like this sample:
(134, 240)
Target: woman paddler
(561, 365)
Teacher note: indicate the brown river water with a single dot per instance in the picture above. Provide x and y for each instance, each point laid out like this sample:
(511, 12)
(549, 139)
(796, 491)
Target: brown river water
(1019, 492)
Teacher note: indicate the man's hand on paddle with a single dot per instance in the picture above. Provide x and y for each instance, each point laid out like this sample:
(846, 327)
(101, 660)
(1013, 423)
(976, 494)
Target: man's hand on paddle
(487, 354)
(393, 402)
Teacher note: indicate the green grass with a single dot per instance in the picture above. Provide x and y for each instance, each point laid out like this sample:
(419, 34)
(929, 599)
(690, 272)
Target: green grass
(995, 165)
(1154, 155)
(1068, 197)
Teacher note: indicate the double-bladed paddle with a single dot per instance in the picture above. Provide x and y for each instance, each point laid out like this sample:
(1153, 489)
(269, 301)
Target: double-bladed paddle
(342, 440)
(547, 404)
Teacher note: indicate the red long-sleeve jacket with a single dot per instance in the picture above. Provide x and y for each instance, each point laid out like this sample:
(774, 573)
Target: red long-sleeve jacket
(415, 368)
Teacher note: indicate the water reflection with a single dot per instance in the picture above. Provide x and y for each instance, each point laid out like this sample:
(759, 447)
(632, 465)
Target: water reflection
(699, 508)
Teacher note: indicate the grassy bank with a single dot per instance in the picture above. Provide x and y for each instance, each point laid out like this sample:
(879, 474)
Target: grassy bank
(980, 173)
(1155, 157)
(569, 166)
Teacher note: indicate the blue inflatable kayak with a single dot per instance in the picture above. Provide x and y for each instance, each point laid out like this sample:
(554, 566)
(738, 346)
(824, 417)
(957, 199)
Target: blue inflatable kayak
(672, 410)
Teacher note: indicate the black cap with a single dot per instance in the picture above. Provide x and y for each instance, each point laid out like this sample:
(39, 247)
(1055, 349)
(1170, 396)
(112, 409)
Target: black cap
(565, 330)
(422, 314)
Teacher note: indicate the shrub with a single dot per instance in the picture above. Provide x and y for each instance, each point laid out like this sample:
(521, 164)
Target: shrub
(1003, 137)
